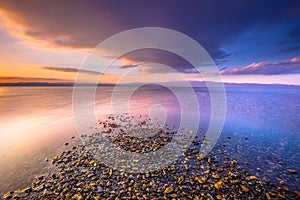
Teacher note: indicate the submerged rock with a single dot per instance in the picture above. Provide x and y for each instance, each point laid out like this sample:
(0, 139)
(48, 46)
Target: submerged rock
(27, 190)
(291, 171)
(8, 195)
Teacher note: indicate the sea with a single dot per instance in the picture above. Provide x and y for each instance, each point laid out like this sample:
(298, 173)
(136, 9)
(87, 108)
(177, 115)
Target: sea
(261, 127)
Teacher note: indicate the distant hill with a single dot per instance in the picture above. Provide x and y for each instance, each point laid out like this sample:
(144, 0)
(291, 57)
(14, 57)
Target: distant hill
(245, 85)
(68, 84)
(202, 84)
(173, 83)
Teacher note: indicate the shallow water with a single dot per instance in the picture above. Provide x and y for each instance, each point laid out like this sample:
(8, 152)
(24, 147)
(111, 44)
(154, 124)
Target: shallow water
(263, 124)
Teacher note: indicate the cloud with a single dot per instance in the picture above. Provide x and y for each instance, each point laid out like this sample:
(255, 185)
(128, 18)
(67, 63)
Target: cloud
(70, 70)
(7, 79)
(32, 33)
(144, 56)
(129, 66)
(291, 66)
(291, 43)
(77, 24)
(155, 68)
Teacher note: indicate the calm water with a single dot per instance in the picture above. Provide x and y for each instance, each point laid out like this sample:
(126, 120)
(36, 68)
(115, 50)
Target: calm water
(264, 126)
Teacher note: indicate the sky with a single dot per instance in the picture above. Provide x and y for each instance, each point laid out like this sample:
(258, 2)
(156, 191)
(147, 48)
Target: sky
(249, 41)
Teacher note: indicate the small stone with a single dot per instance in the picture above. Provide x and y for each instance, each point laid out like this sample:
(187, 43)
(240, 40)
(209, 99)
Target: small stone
(210, 197)
(201, 181)
(252, 177)
(232, 163)
(39, 188)
(281, 182)
(46, 159)
(66, 143)
(8, 195)
(281, 196)
(27, 190)
(218, 184)
(100, 190)
(77, 197)
(215, 176)
(268, 196)
(297, 193)
(219, 197)
(168, 190)
(244, 188)
(234, 181)
(228, 137)
(272, 194)
(291, 171)
(92, 162)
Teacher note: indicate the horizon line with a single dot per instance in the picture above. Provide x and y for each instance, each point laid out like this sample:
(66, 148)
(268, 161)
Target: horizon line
(68, 84)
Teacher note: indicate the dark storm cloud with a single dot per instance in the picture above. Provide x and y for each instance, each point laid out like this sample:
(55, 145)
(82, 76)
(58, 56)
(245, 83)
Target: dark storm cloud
(292, 42)
(157, 56)
(81, 24)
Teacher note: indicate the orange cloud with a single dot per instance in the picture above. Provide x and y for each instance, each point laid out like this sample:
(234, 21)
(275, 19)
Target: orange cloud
(10, 23)
(16, 79)
(57, 24)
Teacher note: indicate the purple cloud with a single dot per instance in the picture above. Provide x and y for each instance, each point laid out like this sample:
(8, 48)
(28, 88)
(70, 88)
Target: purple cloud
(69, 69)
(129, 66)
(268, 68)
(84, 25)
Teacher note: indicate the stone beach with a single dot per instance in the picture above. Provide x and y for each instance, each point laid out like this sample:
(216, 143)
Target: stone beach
(77, 174)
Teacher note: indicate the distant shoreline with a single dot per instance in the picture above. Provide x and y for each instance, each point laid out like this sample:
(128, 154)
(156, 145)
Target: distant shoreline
(194, 84)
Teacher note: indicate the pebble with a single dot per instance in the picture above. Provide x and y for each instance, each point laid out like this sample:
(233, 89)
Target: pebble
(297, 193)
(8, 195)
(253, 177)
(27, 190)
(291, 171)
(281, 182)
(168, 190)
(244, 188)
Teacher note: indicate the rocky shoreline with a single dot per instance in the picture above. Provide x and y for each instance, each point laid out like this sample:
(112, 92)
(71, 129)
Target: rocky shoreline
(77, 174)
